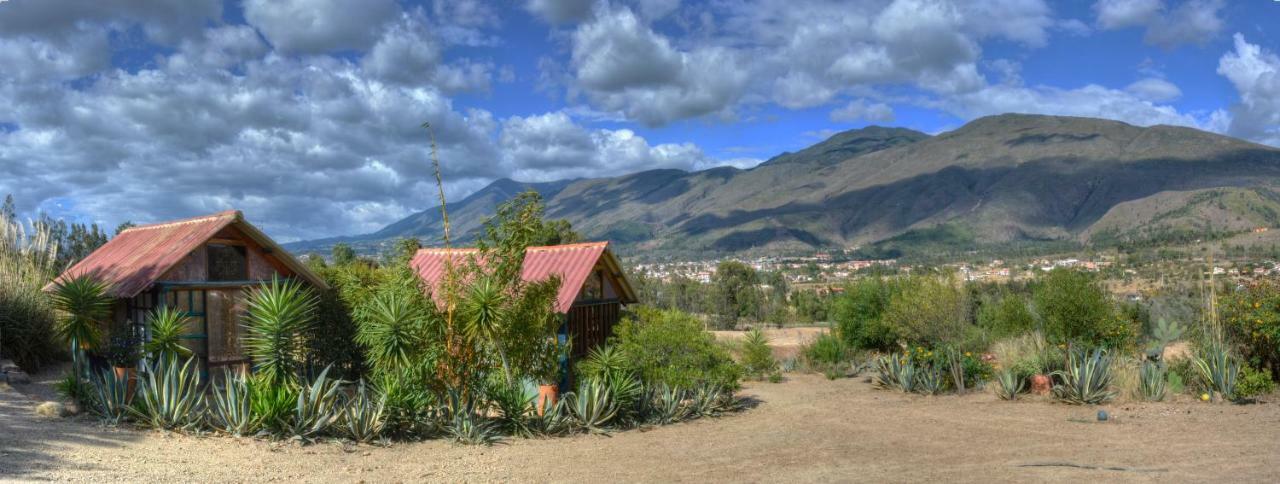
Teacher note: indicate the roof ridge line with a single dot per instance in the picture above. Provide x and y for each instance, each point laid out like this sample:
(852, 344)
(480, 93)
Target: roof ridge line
(187, 221)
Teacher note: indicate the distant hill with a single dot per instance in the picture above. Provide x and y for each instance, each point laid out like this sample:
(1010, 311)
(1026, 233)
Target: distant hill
(998, 180)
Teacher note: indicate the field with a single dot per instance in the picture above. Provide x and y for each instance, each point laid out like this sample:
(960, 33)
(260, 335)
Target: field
(804, 429)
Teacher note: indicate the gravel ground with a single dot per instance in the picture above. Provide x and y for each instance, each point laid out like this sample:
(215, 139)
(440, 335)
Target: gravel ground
(804, 429)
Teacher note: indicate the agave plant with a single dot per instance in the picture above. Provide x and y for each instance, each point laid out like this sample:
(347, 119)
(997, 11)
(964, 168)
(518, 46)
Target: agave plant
(592, 405)
(1086, 379)
(514, 404)
(167, 326)
(668, 405)
(464, 425)
(317, 407)
(553, 421)
(1219, 371)
(897, 372)
(169, 396)
(709, 400)
(929, 380)
(955, 364)
(1009, 384)
(112, 396)
(279, 312)
(232, 410)
(363, 418)
(1152, 381)
(84, 303)
(390, 330)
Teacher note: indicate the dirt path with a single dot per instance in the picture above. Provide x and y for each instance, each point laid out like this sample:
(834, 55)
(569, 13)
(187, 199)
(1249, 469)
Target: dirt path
(805, 429)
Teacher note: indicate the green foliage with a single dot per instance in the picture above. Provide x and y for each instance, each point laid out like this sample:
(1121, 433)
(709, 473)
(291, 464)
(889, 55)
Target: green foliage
(332, 339)
(169, 396)
(826, 352)
(317, 408)
(392, 329)
(858, 315)
(85, 306)
(111, 396)
(1251, 318)
(896, 372)
(271, 404)
(1074, 308)
(735, 294)
(28, 261)
(1087, 378)
(232, 411)
(342, 254)
(1163, 333)
(592, 406)
(929, 380)
(124, 347)
(167, 325)
(1152, 381)
(465, 426)
(1009, 384)
(74, 389)
(709, 400)
(1007, 316)
(929, 310)
(1176, 382)
(408, 404)
(756, 355)
(364, 416)
(669, 347)
(279, 315)
(514, 403)
(1218, 370)
(1254, 383)
(668, 405)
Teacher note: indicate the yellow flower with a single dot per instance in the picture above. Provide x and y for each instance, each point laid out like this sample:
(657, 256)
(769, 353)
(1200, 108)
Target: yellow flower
(1204, 397)
(968, 353)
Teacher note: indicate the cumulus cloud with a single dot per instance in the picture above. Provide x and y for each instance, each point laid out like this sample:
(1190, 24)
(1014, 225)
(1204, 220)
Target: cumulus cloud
(860, 110)
(1255, 73)
(1154, 89)
(1090, 100)
(320, 26)
(1191, 22)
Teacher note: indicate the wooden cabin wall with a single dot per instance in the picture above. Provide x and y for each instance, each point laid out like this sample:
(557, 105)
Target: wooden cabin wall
(194, 267)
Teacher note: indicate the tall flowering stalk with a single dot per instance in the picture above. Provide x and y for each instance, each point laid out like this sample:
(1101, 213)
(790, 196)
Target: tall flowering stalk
(455, 368)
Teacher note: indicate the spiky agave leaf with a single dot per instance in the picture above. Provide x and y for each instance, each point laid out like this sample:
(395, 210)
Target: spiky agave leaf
(515, 404)
(232, 410)
(112, 396)
(1087, 378)
(669, 405)
(1218, 370)
(897, 372)
(1009, 384)
(169, 396)
(364, 418)
(929, 380)
(317, 407)
(1152, 381)
(592, 406)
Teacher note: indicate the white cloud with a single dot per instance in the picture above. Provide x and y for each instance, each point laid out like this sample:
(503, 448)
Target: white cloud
(1090, 100)
(1154, 89)
(1191, 22)
(1255, 73)
(561, 11)
(320, 26)
(860, 110)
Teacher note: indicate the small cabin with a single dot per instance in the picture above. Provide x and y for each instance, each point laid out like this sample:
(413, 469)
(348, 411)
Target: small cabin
(200, 266)
(593, 288)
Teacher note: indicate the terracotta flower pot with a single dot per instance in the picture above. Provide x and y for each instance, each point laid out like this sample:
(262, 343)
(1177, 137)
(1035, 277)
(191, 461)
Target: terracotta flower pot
(1040, 384)
(131, 374)
(547, 397)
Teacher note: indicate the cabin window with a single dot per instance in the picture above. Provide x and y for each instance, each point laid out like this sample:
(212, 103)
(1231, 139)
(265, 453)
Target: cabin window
(593, 288)
(227, 263)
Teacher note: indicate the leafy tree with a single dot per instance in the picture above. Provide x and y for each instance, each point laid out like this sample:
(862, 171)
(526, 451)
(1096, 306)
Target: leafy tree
(858, 314)
(126, 225)
(1074, 307)
(736, 295)
(405, 249)
(929, 310)
(343, 254)
(670, 347)
(1006, 315)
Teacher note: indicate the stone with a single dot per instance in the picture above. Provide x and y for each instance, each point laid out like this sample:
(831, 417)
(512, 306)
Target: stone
(72, 408)
(17, 377)
(51, 410)
(8, 365)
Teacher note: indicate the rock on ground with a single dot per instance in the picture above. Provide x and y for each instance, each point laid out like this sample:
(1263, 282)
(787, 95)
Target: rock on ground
(51, 410)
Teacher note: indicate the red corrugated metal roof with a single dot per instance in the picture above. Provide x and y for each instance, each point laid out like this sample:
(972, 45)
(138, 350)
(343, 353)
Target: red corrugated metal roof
(572, 262)
(136, 258)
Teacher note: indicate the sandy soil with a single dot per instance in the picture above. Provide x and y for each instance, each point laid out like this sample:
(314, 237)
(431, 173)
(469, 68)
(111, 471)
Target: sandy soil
(804, 429)
(786, 342)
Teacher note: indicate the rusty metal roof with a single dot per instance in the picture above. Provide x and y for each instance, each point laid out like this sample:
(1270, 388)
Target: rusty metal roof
(572, 262)
(136, 258)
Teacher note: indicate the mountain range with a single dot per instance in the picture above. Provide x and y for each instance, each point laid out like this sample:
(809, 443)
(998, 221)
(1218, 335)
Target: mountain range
(998, 181)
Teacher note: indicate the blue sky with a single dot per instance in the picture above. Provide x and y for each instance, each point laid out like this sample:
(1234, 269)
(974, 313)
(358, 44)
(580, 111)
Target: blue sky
(305, 113)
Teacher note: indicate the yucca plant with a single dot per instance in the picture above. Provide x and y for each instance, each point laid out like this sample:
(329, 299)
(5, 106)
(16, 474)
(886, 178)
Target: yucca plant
(84, 303)
(1152, 381)
(167, 325)
(896, 372)
(112, 397)
(272, 404)
(486, 318)
(756, 355)
(169, 396)
(1219, 371)
(279, 313)
(1009, 384)
(1086, 379)
(317, 407)
(668, 405)
(592, 406)
(363, 418)
(232, 410)
(391, 329)
(929, 380)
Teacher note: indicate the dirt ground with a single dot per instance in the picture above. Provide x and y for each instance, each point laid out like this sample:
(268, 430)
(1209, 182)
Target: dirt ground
(786, 342)
(804, 429)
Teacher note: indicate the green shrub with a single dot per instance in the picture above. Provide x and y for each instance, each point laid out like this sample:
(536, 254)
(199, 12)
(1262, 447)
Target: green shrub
(408, 403)
(897, 372)
(1007, 316)
(332, 340)
(1251, 318)
(75, 389)
(112, 396)
(1254, 383)
(669, 347)
(756, 355)
(272, 403)
(364, 418)
(825, 351)
(1219, 371)
(1075, 308)
(27, 263)
(1009, 384)
(1153, 381)
(858, 314)
(592, 406)
(929, 310)
(316, 409)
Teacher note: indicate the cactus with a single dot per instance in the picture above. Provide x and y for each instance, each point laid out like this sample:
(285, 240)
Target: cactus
(1164, 333)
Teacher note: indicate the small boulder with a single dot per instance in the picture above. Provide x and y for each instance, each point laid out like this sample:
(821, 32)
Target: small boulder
(8, 365)
(17, 377)
(72, 408)
(51, 410)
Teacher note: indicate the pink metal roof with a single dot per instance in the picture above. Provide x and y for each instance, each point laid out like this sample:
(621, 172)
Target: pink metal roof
(136, 258)
(572, 262)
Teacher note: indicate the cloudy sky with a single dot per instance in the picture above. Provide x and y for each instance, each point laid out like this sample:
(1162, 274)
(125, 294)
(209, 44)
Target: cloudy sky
(306, 114)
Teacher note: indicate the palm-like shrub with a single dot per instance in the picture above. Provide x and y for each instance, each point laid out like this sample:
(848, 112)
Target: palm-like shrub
(484, 313)
(757, 357)
(364, 418)
(112, 396)
(1219, 371)
(1152, 381)
(592, 406)
(317, 407)
(391, 329)
(169, 396)
(1009, 384)
(232, 411)
(279, 312)
(1087, 378)
(85, 304)
(167, 327)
